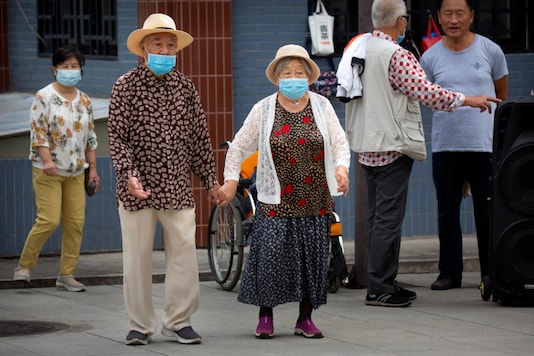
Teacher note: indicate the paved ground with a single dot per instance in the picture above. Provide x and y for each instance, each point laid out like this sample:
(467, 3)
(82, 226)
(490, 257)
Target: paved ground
(454, 322)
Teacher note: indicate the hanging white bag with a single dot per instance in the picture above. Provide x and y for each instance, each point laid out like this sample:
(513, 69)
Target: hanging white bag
(321, 31)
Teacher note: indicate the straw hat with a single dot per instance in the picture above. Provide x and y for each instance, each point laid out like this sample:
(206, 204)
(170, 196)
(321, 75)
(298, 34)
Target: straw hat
(157, 23)
(292, 50)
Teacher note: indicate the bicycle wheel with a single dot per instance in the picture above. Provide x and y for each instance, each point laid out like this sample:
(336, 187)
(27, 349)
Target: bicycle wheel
(225, 245)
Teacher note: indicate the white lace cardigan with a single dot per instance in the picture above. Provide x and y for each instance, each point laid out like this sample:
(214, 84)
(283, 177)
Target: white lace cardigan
(254, 135)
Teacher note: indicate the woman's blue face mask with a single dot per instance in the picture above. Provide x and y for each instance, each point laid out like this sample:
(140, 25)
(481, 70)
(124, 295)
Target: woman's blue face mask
(293, 88)
(69, 77)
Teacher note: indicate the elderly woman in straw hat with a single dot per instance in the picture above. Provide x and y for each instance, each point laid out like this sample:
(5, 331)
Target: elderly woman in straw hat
(303, 160)
(158, 135)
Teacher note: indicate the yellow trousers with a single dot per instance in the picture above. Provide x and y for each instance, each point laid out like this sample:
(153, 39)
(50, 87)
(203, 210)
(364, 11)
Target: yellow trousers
(182, 289)
(58, 199)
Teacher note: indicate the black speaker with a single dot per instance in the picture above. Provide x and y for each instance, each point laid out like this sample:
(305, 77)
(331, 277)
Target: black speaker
(512, 203)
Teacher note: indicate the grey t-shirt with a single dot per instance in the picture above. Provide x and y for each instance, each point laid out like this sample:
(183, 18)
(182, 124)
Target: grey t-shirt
(472, 72)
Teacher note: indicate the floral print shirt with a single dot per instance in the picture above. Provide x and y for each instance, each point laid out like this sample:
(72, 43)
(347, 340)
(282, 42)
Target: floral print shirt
(255, 134)
(297, 147)
(65, 127)
(158, 133)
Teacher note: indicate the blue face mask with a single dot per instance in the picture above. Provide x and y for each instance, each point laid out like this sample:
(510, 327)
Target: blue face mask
(68, 78)
(161, 64)
(293, 88)
(400, 38)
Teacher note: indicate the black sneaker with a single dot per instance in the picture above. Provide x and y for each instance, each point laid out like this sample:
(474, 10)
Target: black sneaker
(185, 335)
(406, 293)
(387, 300)
(136, 338)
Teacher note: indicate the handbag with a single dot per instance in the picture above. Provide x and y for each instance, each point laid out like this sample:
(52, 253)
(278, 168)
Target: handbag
(432, 34)
(326, 84)
(321, 31)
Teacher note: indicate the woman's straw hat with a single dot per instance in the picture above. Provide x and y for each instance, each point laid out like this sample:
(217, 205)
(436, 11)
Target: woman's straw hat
(157, 23)
(292, 50)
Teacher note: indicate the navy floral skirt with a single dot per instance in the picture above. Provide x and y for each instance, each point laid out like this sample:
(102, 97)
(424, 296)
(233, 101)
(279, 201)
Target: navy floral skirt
(287, 261)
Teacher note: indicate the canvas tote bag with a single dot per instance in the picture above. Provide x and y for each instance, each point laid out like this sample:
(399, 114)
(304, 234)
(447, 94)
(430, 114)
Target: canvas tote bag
(321, 31)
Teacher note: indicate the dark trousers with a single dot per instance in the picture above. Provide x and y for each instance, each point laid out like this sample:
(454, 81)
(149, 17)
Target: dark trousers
(450, 170)
(387, 192)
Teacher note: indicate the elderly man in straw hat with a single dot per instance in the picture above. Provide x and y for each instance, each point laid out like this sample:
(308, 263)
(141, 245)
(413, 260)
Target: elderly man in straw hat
(158, 135)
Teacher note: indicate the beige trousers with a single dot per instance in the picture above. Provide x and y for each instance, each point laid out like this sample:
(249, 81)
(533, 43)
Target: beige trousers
(57, 199)
(181, 275)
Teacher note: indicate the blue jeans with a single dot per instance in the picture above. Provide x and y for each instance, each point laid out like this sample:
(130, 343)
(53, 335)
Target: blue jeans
(388, 189)
(450, 170)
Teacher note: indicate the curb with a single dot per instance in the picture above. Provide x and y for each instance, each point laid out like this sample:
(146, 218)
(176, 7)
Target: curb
(405, 267)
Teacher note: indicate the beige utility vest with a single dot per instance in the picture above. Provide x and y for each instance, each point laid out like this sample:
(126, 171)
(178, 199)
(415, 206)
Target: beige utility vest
(383, 119)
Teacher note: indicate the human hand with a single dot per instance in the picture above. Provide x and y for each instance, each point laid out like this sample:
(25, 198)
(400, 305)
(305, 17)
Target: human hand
(227, 192)
(482, 102)
(342, 178)
(135, 188)
(213, 194)
(50, 168)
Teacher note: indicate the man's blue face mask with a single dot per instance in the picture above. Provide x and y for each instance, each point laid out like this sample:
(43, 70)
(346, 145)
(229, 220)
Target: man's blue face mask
(400, 38)
(161, 64)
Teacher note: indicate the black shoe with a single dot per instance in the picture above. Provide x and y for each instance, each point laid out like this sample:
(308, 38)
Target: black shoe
(406, 293)
(136, 338)
(445, 283)
(387, 300)
(185, 335)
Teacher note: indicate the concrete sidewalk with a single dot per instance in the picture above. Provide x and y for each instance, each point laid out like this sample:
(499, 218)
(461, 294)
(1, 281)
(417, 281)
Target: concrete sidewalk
(453, 322)
(418, 255)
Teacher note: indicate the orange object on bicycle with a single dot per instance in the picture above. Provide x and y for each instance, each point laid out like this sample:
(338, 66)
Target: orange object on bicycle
(249, 165)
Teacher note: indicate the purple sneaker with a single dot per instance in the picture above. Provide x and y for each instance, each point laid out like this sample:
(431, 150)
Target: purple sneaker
(308, 329)
(265, 328)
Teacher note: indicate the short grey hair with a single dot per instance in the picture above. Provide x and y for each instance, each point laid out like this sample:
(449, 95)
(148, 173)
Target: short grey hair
(385, 13)
(283, 62)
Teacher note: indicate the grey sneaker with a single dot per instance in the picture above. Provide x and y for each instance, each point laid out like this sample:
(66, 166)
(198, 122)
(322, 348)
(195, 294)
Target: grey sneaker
(185, 335)
(135, 337)
(20, 275)
(63, 283)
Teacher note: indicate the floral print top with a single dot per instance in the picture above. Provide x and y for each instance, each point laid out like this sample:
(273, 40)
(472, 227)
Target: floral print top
(255, 134)
(65, 127)
(297, 147)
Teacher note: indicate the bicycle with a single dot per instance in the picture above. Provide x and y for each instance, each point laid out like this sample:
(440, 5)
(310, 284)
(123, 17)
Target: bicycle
(229, 233)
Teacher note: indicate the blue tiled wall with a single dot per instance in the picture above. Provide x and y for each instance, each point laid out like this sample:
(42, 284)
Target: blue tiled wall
(18, 211)
(259, 28)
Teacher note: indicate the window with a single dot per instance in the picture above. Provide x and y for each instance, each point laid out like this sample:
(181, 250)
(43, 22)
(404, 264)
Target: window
(506, 22)
(91, 25)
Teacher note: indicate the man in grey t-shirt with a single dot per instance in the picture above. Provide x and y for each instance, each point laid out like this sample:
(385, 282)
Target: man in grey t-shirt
(462, 140)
